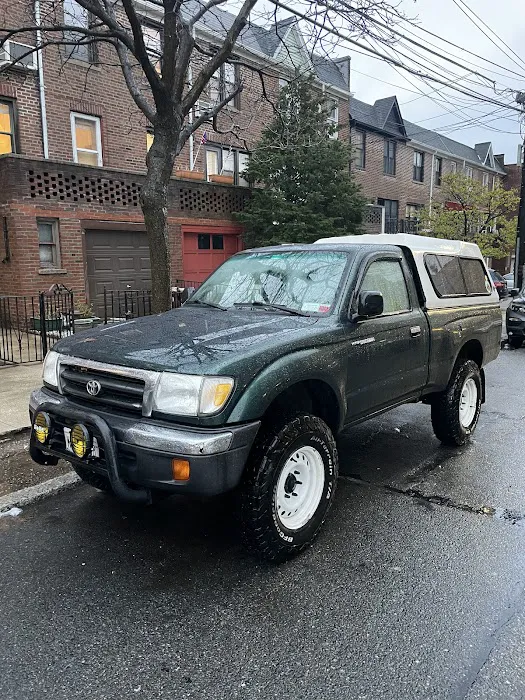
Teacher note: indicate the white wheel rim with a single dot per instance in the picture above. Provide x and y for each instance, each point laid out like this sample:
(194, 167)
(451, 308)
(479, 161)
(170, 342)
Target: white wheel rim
(468, 403)
(299, 488)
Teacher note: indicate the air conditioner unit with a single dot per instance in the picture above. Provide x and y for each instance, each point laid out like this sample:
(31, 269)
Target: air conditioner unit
(19, 55)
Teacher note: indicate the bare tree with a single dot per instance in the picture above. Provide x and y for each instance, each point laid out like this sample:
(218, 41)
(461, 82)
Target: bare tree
(167, 97)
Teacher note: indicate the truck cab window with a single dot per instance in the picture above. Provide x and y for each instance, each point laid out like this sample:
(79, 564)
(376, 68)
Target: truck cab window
(386, 276)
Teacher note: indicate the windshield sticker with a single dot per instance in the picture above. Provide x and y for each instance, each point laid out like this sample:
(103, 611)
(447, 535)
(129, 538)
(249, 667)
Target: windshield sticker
(317, 308)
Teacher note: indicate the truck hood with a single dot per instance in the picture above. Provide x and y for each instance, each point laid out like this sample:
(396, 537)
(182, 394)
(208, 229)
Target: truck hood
(193, 340)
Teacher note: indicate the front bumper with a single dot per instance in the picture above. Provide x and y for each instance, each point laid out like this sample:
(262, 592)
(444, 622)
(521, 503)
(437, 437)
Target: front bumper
(136, 454)
(515, 324)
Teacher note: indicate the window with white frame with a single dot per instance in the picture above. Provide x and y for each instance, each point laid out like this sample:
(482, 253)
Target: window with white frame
(227, 161)
(333, 117)
(48, 246)
(469, 172)
(79, 46)
(486, 180)
(87, 143)
(153, 43)
(221, 84)
(453, 167)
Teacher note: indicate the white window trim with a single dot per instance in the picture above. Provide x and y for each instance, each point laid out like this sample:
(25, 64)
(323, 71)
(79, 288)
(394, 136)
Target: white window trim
(54, 245)
(334, 120)
(96, 120)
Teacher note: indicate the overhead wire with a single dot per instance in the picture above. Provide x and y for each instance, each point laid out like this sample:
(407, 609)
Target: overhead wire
(463, 3)
(378, 55)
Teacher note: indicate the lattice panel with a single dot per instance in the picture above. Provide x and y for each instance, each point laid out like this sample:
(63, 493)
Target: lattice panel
(373, 219)
(221, 201)
(372, 215)
(79, 188)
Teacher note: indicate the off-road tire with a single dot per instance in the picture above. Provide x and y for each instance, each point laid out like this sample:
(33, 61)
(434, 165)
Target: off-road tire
(515, 343)
(98, 481)
(263, 532)
(445, 407)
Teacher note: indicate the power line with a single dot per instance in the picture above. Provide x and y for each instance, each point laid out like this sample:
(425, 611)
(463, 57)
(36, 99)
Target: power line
(485, 33)
(454, 111)
(395, 32)
(461, 48)
(388, 59)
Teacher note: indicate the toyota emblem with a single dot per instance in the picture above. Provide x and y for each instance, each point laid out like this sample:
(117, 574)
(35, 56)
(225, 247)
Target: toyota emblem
(93, 387)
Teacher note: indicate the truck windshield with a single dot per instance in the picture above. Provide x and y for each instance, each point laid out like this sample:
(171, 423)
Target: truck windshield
(302, 281)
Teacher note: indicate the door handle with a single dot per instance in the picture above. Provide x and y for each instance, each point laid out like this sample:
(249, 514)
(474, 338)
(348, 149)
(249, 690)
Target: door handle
(415, 331)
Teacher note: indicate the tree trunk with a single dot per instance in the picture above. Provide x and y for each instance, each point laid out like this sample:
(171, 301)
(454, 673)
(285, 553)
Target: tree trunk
(154, 203)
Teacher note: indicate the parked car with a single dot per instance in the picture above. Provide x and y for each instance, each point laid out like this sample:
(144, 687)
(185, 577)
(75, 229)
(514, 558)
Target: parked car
(509, 279)
(500, 283)
(516, 320)
(246, 386)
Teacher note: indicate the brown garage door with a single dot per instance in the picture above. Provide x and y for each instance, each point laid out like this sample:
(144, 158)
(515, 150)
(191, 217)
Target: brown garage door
(118, 261)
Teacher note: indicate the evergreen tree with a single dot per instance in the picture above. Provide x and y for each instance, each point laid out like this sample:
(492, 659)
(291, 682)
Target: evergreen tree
(304, 189)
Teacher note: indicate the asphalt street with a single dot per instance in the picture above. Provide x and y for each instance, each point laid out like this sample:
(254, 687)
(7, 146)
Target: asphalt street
(415, 589)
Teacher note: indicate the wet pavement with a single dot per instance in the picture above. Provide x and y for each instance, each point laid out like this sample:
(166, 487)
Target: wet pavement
(415, 589)
(17, 470)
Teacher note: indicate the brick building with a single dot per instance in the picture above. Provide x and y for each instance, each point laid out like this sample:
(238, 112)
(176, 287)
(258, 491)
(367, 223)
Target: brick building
(400, 165)
(73, 147)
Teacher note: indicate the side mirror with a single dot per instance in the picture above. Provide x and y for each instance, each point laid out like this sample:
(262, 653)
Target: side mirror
(514, 292)
(370, 304)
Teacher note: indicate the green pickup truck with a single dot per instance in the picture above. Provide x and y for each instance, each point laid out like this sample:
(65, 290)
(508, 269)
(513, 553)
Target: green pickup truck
(245, 387)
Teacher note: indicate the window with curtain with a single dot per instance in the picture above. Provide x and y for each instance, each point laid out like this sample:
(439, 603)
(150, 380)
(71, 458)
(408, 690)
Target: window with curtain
(358, 149)
(418, 173)
(7, 127)
(389, 157)
(82, 50)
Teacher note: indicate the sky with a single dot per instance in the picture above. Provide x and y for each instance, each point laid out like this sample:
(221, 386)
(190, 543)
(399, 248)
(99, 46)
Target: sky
(469, 121)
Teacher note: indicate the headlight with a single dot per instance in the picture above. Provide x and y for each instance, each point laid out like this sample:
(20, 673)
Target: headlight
(518, 309)
(50, 372)
(191, 395)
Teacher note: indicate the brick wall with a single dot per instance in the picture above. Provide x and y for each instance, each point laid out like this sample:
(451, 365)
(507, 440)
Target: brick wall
(401, 187)
(81, 197)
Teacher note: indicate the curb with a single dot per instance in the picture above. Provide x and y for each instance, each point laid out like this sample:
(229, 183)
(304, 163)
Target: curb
(31, 494)
(16, 432)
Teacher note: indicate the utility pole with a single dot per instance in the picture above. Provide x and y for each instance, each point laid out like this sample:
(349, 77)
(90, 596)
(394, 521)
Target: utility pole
(519, 262)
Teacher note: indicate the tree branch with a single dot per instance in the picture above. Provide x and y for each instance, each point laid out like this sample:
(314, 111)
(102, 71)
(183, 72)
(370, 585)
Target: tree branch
(219, 58)
(135, 92)
(204, 9)
(208, 115)
(141, 53)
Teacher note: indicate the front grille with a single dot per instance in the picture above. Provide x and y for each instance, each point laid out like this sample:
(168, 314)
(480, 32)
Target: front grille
(124, 393)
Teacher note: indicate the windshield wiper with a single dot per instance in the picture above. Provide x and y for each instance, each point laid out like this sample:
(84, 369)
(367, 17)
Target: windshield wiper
(278, 307)
(207, 303)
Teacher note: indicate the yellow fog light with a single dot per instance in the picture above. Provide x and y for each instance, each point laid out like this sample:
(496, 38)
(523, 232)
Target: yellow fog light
(80, 441)
(42, 427)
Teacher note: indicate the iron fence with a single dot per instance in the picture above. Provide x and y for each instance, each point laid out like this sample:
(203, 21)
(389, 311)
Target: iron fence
(119, 306)
(402, 225)
(31, 325)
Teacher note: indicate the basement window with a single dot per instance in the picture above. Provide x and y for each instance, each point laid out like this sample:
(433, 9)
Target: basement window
(48, 245)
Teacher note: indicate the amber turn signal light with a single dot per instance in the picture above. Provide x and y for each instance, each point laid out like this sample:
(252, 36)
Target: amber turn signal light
(180, 469)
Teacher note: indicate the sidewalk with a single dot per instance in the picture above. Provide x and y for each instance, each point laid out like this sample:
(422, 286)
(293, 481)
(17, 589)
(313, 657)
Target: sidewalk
(16, 383)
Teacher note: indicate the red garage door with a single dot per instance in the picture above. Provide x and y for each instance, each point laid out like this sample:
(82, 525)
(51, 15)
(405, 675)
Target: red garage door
(204, 251)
